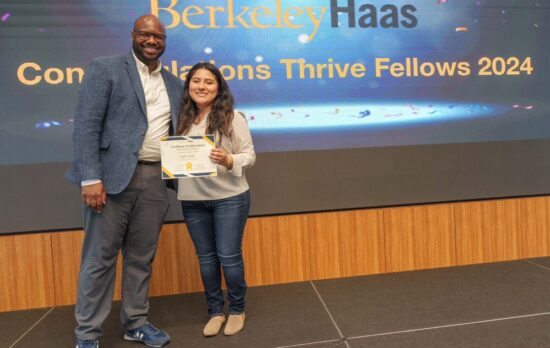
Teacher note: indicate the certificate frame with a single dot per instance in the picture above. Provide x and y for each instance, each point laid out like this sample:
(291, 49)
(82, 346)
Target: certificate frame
(187, 156)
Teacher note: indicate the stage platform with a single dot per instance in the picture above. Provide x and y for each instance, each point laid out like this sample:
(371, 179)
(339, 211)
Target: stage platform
(502, 305)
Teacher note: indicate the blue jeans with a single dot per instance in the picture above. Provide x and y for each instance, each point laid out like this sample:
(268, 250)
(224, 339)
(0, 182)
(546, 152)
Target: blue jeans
(216, 228)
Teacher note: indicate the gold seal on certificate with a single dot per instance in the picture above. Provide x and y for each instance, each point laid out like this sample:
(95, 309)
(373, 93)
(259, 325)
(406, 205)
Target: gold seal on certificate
(187, 156)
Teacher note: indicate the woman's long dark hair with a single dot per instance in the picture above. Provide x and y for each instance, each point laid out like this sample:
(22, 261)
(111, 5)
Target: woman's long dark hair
(221, 115)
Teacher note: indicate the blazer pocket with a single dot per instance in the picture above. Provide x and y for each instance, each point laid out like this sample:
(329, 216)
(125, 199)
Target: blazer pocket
(104, 143)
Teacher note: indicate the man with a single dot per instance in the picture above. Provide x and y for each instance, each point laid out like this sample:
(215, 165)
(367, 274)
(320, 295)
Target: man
(126, 103)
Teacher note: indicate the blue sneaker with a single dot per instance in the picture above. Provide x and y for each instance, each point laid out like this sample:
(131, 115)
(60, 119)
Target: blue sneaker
(87, 343)
(149, 335)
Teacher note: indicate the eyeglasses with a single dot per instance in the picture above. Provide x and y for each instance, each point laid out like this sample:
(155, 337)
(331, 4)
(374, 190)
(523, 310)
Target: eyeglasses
(144, 35)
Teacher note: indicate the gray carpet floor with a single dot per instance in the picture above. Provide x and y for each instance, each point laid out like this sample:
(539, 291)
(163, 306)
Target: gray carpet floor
(491, 305)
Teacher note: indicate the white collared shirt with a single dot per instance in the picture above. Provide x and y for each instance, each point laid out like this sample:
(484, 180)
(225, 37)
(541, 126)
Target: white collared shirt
(158, 110)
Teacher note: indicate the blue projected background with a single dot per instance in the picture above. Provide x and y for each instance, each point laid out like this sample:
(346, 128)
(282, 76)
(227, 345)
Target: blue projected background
(403, 72)
(352, 103)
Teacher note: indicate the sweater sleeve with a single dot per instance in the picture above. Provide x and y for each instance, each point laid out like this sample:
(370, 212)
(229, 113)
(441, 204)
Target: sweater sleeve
(243, 154)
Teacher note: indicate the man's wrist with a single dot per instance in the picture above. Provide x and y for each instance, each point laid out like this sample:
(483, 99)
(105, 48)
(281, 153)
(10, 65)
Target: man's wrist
(89, 182)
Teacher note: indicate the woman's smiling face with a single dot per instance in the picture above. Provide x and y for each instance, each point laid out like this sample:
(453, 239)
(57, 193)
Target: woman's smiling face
(203, 88)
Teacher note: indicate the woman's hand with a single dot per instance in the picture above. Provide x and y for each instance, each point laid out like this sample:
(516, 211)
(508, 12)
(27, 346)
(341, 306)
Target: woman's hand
(219, 156)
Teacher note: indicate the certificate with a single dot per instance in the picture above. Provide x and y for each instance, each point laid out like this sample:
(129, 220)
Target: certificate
(187, 156)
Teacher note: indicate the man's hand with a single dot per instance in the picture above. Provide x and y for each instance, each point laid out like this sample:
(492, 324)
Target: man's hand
(94, 196)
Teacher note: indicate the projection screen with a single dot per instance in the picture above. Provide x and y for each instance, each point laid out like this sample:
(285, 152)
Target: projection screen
(351, 103)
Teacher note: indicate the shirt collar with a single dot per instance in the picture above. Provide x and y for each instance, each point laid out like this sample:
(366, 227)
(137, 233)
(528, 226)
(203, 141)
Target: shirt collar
(144, 68)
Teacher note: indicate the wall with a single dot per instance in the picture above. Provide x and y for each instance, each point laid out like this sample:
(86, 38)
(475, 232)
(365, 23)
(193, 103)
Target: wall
(40, 270)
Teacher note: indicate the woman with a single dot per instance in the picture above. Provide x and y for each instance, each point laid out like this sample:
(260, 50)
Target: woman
(215, 209)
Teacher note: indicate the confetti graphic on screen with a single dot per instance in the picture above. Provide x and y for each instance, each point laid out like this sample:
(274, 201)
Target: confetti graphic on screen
(356, 115)
(47, 124)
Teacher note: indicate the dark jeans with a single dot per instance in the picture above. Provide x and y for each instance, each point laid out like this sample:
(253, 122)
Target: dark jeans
(217, 228)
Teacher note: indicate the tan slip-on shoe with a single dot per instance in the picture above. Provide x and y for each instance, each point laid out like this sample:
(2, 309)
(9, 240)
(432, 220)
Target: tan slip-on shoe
(214, 325)
(235, 323)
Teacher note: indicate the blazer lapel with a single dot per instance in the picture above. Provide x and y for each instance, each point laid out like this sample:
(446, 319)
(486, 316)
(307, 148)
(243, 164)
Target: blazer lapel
(136, 82)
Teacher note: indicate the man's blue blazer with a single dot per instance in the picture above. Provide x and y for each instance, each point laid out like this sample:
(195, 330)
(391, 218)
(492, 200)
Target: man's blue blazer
(110, 121)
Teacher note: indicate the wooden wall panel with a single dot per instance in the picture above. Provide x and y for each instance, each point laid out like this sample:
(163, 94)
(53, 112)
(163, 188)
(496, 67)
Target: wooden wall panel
(276, 250)
(547, 229)
(324, 245)
(176, 268)
(26, 272)
(40, 270)
(344, 244)
(362, 242)
(67, 248)
(533, 219)
(419, 237)
(487, 231)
